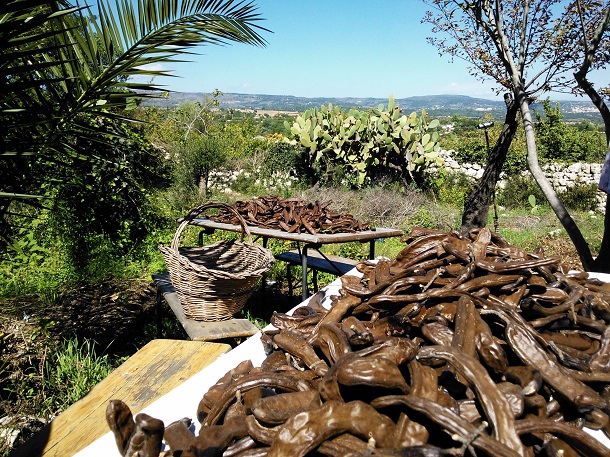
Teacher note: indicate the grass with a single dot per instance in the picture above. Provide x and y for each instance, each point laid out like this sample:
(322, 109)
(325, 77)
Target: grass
(58, 374)
(71, 372)
(530, 230)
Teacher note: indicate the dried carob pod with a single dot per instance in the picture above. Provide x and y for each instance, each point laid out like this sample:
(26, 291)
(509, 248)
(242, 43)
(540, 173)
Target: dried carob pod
(142, 436)
(461, 345)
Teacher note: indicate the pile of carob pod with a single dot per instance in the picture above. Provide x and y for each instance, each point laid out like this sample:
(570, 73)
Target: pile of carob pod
(458, 346)
(292, 215)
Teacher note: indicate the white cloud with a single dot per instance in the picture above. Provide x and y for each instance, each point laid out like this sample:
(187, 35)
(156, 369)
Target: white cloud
(153, 67)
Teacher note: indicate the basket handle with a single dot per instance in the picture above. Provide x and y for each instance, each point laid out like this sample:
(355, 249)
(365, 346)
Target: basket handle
(198, 210)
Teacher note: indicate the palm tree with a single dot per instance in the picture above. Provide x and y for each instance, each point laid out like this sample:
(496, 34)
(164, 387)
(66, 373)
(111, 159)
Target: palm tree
(62, 64)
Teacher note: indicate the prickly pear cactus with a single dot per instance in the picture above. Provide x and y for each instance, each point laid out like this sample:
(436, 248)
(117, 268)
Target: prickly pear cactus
(361, 141)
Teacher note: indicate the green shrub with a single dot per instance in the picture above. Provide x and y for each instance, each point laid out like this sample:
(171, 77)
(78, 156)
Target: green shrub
(580, 197)
(355, 251)
(279, 156)
(470, 146)
(560, 142)
(452, 188)
(516, 193)
(32, 263)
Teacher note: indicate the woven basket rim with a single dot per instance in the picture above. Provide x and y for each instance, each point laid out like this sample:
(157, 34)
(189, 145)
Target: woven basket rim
(200, 209)
(186, 263)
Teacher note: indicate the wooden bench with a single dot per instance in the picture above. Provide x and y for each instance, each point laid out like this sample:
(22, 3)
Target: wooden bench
(153, 371)
(316, 261)
(199, 330)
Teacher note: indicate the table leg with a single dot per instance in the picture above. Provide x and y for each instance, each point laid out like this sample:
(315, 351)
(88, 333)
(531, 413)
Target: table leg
(206, 231)
(264, 276)
(371, 249)
(158, 307)
(289, 279)
(304, 277)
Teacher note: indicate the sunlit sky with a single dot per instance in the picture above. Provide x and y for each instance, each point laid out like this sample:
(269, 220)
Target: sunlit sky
(332, 48)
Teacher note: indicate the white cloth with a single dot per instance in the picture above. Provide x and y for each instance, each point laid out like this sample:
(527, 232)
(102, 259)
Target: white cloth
(604, 179)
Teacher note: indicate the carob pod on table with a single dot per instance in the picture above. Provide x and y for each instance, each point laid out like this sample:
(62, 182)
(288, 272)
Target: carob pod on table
(292, 215)
(458, 345)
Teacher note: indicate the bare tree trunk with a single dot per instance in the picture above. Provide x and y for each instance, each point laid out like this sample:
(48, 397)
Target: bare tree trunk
(203, 186)
(602, 261)
(476, 206)
(582, 248)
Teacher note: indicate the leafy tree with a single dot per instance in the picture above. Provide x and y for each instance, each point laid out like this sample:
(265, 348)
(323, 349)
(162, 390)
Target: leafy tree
(469, 145)
(560, 142)
(106, 199)
(64, 66)
(275, 124)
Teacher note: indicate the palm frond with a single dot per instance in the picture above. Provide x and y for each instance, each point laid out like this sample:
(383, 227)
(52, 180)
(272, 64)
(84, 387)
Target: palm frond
(60, 61)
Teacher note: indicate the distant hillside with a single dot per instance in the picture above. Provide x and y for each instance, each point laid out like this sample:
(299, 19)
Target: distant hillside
(435, 105)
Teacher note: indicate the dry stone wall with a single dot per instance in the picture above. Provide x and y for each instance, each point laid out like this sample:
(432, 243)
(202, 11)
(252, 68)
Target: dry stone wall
(560, 176)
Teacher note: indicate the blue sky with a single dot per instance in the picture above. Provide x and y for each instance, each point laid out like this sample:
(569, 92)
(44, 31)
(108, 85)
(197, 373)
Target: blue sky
(332, 48)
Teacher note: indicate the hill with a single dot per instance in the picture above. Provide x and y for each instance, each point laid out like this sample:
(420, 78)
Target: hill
(435, 105)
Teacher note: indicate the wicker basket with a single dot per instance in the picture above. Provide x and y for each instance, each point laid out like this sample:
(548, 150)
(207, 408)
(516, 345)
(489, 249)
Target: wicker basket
(214, 282)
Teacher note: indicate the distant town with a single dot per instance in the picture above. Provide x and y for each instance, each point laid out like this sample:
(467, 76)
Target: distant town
(435, 105)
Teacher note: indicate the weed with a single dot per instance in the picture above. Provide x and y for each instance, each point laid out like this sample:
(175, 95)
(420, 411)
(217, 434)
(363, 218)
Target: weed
(71, 372)
(580, 197)
(257, 321)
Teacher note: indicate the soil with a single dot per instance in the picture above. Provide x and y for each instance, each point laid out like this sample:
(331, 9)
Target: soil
(119, 315)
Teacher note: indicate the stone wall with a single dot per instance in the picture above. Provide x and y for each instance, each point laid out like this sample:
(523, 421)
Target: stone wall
(560, 176)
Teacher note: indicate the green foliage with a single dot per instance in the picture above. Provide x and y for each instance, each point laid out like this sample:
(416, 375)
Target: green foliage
(106, 200)
(355, 251)
(71, 372)
(468, 142)
(29, 264)
(560, 142)
(517, 192)
(353, 144)
(68, 65)
(580, 197)
(470, 146)
(198, 156)
(241, 138)
(276, 124)
(280, 157)
(451, 188)
(37, 262)
(273, 169)
(423, 218)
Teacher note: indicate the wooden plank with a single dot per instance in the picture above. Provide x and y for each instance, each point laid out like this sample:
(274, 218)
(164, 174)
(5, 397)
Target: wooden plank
(318, 238)
(153, 371)
(316, 261)
(202, 330)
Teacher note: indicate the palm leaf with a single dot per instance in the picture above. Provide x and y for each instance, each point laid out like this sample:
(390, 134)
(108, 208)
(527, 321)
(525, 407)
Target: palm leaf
(59, 62)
